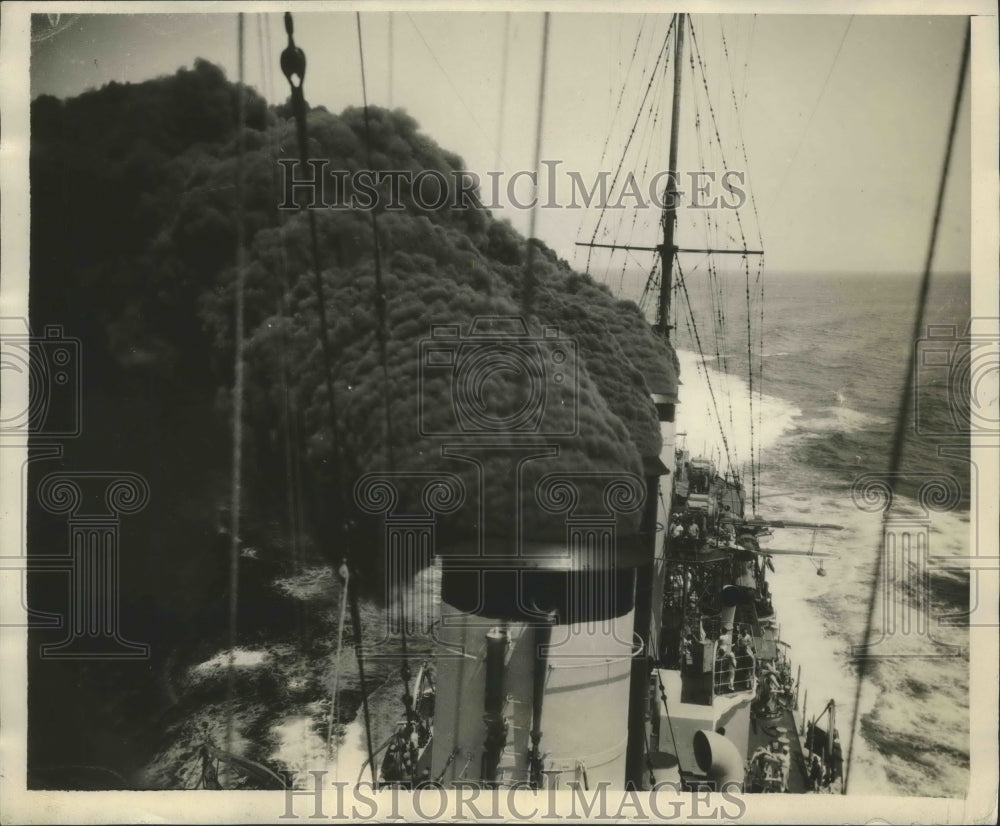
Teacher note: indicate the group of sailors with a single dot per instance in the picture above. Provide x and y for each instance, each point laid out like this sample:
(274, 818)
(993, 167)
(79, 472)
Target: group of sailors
(690, 528)
(775, 685)
(769, 767)
(735, 658)
(400, 761)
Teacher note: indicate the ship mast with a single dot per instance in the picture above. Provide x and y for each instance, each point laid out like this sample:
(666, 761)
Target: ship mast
(667, 249)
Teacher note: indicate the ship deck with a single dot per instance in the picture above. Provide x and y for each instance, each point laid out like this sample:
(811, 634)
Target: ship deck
(672, 736)
(764, 732)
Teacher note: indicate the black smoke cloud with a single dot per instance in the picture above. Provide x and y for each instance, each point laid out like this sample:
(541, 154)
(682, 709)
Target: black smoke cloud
(134, 228)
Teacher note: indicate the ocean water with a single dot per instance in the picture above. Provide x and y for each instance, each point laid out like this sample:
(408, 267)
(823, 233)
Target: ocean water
(835, 356)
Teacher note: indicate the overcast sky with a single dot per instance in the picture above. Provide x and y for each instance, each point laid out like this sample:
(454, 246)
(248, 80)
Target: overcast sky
(844, 119)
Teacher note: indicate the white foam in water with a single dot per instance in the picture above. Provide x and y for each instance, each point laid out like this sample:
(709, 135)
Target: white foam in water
(301, 749)
(843, 419)
(696, 417)
(918, 706)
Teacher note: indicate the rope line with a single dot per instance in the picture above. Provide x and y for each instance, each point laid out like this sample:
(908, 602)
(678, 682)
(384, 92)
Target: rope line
(335, 692)
(392, 52)
(693, 328)
(649, 132)
(290, 424)
(663, 55)
(238, 391)
(528, 290)
(899, 436)
(379, 297)
(503, 87)
(380, 313)
(754, 458)
(822, 91)
(447, 77)
(293, 65)
(666, 708)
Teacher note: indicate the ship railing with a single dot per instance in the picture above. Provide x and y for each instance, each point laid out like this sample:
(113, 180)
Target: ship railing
(744, 678)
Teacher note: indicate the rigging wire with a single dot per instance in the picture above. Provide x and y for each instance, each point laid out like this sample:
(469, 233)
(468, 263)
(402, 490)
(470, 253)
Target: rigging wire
(238, 391)
(293, 65)
(392, 54)
(655, 77)
(715, 288)
(899, 436)
(758, 279)
(812, 114)
(662, 56)
(379, 297)
(503, 87)
(649, 132)
(293, 471)
(345, 576)
(621, 92)
(746, 265)
(447, 77)
(666, 708)
(380, 312)
(701, 353)
(745, 90)
(528, 289)
(618, 104)
(714, 284)
(542, 632)
(290, 423)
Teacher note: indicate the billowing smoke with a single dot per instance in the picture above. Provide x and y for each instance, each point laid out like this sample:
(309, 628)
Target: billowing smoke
(152, 268)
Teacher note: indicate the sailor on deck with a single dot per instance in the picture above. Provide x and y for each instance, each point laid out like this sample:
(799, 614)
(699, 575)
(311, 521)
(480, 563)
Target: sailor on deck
(727, 661)
(817, 772)
(770, 687)
(745, 653)
(785, 760)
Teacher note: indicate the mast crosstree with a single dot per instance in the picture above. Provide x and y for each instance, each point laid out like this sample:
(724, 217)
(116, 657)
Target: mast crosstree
(667, 250)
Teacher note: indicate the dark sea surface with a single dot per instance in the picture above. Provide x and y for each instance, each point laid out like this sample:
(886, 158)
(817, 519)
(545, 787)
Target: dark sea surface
(835, 353)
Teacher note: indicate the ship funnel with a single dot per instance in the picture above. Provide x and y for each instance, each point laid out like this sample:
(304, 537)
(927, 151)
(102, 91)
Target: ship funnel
(719, 758)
